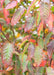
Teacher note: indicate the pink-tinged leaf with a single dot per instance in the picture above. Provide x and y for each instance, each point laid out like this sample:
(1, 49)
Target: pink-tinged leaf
(29, 23)
(30, 7)
(6, 13)
(50, 48)
(50, 71)
(7, 52)
(38, 55)
(40, 28)
(11, 5)
(31, 50)
(8, 20)
(50, 22)
(17, 15)
(2, 1)
(45, 10)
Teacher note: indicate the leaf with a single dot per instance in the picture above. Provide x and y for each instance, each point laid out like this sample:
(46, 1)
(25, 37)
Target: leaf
(41, 43)
(40, 28)
(50, 22)
(47, 38)
(38, 55)
(0, 27)
(45, 10)
(49, 71)
(7, 51)
(50, 48)
(24, 61)
(2, 1)
(30, 7)
(6, 13)
(29, 23)
(31, 50)
(17, 15)
(11, 5)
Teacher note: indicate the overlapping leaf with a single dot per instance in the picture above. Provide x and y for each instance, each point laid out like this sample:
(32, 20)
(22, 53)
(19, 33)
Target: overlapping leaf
(29, 23)
(31, 50)
(7, 51)
(17, 15)
(11, 5)
(38, 55)
(45, 10)
(50, 48)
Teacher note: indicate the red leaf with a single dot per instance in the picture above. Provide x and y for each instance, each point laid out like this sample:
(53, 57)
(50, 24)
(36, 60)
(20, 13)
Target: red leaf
(0, 27)
(43, 63)
(2, 1)
(6, 13)
(11, 5)
(8, 20)
(32, 40)
(53, 0)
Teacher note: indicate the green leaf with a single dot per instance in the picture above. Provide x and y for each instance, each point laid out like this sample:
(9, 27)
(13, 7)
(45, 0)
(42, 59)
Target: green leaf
(49, 71)
(24, 61)
(38, 55)
(7, 51)
(52, 8)
(41, 43)
(47, 38)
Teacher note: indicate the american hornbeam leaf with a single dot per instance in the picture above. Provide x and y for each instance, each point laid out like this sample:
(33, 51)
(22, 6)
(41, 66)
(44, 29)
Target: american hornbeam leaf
(17, 15)
(38, 55)
(31, 50)
(50, 48)
(50, 71)
(30, 7)
(29, 23)
(45, 10)
(11, 5)
(47, 38)
(24, 61)
(40, 28)
(41, 43)
(7, 51)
